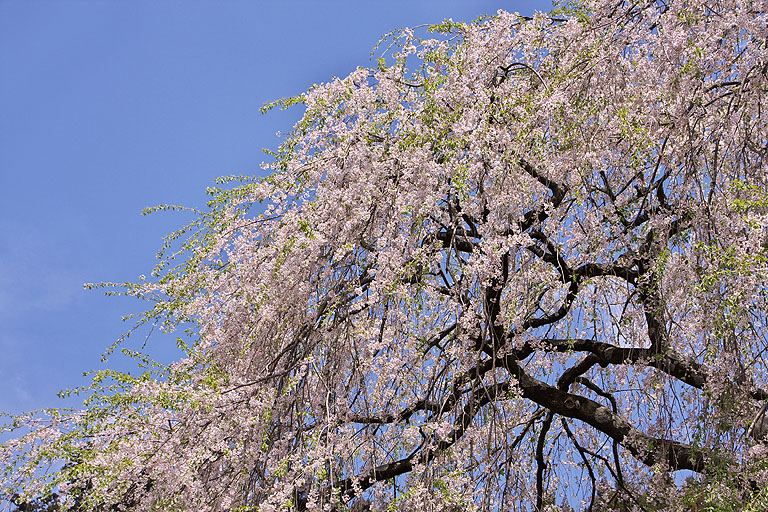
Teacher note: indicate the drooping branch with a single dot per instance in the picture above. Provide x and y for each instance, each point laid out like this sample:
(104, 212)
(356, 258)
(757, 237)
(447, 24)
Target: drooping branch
(423, 454)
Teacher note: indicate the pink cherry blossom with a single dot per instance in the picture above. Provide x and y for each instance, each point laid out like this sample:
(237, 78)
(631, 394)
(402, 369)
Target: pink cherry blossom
(522, 265)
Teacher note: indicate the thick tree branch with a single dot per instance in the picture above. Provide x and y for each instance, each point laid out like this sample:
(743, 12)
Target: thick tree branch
(647, 449)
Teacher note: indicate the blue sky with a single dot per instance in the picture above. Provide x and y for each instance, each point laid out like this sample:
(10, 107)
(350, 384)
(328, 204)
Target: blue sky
(107, 107)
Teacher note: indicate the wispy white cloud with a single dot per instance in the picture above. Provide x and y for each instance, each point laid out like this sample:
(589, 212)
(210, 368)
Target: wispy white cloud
(34, 274)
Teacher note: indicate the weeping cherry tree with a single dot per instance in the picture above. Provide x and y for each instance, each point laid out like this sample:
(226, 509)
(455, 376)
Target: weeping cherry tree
(519, 265)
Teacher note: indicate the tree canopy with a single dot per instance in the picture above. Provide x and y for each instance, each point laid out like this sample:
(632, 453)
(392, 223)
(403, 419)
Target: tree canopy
(521, 264)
